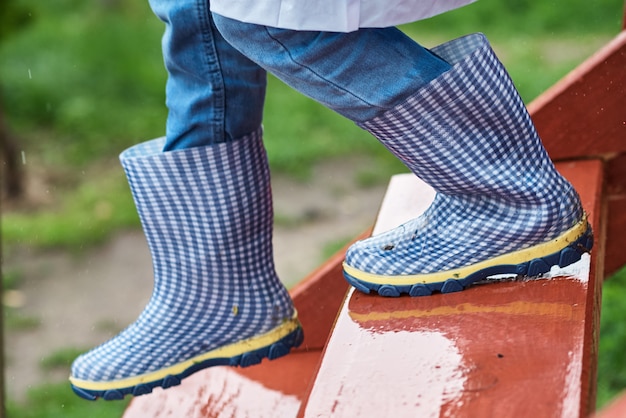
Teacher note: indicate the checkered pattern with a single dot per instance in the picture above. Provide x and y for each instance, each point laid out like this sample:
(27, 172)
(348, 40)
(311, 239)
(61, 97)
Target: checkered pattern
(207, 216)
(469, 136)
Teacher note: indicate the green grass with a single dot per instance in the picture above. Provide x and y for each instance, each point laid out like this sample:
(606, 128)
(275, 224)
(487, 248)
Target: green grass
(14, 320)
(84, 216)
(330, 248)
(612, 358)
(11, 279)
(82, 81)
(516, 18)
(56, 400)
(61, 358)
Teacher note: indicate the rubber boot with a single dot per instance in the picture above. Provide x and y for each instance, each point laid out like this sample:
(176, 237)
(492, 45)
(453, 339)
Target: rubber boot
(500, 207)
(207, 216)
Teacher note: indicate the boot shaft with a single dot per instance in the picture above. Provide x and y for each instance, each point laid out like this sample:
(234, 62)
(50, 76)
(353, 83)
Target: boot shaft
(468, 131)
(205, 208)
(469, 136)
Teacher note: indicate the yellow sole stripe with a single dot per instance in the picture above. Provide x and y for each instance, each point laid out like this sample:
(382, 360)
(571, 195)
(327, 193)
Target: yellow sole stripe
(516, 257)
(228, 351)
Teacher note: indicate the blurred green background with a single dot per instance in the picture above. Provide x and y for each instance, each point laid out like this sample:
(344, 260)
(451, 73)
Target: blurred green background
(82, 80)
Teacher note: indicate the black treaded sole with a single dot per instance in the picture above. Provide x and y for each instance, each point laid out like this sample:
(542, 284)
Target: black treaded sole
(273, 351)
(531, 268)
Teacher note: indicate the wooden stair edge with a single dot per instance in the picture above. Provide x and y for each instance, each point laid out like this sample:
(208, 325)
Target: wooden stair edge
(348, 365)
(598, 217)
(561, 114)
(574, 76)
(318, 297)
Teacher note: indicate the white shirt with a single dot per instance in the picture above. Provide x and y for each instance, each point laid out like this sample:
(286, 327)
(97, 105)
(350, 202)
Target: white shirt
(332, 15)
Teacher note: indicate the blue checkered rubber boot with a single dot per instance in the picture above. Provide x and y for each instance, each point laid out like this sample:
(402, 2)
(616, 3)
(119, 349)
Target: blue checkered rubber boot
(501, 207)
(207, 215)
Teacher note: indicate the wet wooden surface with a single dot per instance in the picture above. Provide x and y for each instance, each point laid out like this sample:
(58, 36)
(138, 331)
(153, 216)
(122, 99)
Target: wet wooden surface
(271, 389)
(521, 348)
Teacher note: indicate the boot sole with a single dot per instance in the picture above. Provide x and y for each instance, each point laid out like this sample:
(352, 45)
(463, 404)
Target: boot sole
(272, 345)
(530, 262)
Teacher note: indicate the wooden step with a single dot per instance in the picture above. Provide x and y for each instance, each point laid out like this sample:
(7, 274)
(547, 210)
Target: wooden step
(513, 348)
(270, 389)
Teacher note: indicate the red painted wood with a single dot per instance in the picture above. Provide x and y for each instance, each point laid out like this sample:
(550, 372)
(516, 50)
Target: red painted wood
(504, 349)
(583, 114)
(616, 173)
(616, 201)
(318, 299)
(268, 390)
(589, 180)
(511, 349)
(616, 409)
(616, 231)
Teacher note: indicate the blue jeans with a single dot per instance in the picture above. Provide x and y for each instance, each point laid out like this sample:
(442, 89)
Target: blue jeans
(217, 80)
(214, 94)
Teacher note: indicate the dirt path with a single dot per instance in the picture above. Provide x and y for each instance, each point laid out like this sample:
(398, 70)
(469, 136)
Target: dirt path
(83, 300)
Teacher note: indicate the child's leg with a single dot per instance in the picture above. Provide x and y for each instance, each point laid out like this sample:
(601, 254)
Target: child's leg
(214, 93)
(347, 72)
(203, 196)
(501, 205)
